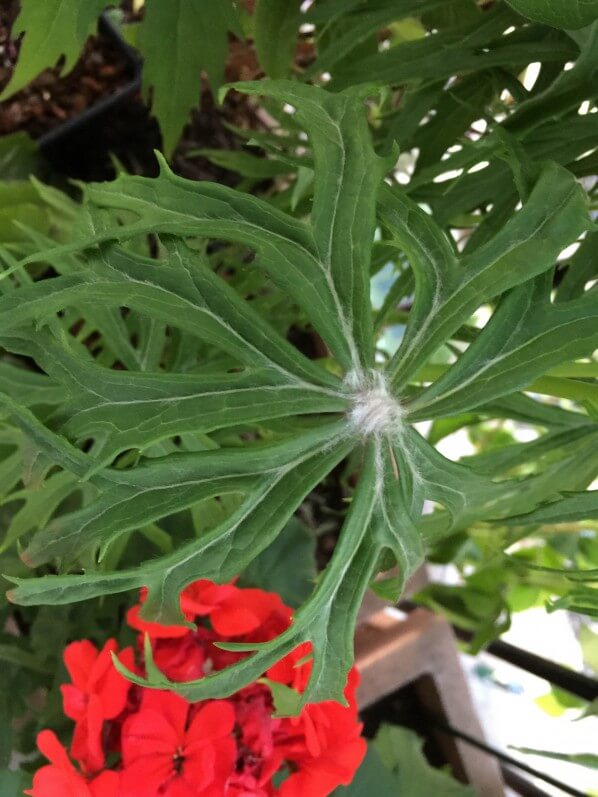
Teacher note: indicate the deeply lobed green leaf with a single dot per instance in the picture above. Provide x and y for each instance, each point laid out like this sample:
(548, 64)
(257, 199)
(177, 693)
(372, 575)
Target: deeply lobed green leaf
(136, 466)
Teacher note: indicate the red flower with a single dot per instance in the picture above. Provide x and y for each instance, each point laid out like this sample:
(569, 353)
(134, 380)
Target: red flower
(180, 659)
(172, 750)
(250, 614)
(232, 611)
(326, 752)
(323, 743)
(259, 757)
(333, 756)
(98, 692)
(294, 670)
(164, 746)
(243, 784)
(61, 779)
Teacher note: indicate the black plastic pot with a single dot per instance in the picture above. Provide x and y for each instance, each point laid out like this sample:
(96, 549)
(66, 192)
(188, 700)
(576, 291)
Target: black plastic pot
(71, 147)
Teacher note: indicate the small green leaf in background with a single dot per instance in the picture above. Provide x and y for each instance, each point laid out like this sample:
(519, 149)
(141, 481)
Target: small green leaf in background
(178, 40)
(588, 640)
(20, 205)
(11, 654)
(401, 751)
(589, 760)
(52, 28)
(19, 157)
(567, 14)
(276, 25)
(396, 765)
(582, 599)
(11, 783)
(372, 778)
(591, 710)
(288, 566)
(557, 701)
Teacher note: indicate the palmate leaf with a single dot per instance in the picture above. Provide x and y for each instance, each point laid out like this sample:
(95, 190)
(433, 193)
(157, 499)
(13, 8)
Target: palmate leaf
(345, 404)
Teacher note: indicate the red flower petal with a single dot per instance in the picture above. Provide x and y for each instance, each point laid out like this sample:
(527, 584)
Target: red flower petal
(87, 745)
(244, 611)
(201, 597)
(180, 659)
(79, 658)
(171, 706)
(290, 671)
(199, 768)
(149, 735)
(74, 701)
(101, 666)
(180, 788)
(113, 688)
(51, 782)
(106, 785)
(213, 721)
(60, 777)
(146, 777)
(50, 747)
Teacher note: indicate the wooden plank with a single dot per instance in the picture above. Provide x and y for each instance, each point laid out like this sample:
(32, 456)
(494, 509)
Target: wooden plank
(392, 652)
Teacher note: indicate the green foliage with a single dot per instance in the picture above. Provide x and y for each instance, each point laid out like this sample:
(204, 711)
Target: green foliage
(372, 777)
(589, 760)
(395, 765)
(52, 28)
(287, 567)
(568, 14)
(401, 751)
(11, 783)
(588, 640)
(577, 506)
(171, 430)
(324, 265)
(178, 40)
(18, 157)
(556, 572)
(275, 33)
(591, 710)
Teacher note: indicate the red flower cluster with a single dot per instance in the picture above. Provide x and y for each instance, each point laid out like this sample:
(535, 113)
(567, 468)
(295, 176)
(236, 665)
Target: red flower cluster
(134, 742)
